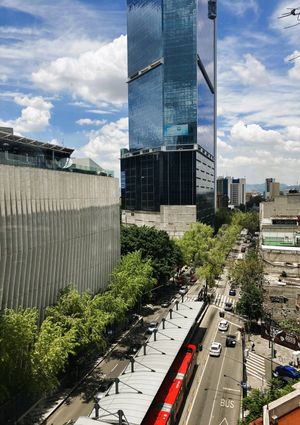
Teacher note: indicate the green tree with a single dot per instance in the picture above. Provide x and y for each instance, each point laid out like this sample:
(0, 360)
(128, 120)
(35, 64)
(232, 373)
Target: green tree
(18, 331)
(131, 279)
(79, 313)
(153, 244)
(247, 271)
(223, 216)
(195, 243)
(257, 399)
(250, 303)
(247, 220)
(50, 354)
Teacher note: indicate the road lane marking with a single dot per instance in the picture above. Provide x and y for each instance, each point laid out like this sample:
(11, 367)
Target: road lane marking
(227, 402)
(224, 422)
(220, 374)
(191, 406)
(231, 389)
(115, 367)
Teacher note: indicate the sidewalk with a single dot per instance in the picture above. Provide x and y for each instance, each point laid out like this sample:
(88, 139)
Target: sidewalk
(262, 356)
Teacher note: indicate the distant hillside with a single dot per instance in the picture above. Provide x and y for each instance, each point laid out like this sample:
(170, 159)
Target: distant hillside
(260, 187)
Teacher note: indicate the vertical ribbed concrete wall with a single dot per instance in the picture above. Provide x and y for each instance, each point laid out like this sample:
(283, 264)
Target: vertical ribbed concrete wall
(56, 228)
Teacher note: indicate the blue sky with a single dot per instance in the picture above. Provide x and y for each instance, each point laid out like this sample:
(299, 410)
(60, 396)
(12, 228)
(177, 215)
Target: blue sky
(63, 73)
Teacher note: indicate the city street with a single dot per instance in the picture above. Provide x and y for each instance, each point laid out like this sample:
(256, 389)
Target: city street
(215, 395)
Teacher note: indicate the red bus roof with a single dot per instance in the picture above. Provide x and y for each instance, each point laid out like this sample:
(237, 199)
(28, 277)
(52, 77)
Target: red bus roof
(170, 388)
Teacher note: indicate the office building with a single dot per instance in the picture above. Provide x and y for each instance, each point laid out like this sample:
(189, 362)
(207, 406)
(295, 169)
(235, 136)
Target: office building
(238, 192)
(231, 192)
(168, 172)
(59, 223)
(272, 189)
(223, 191)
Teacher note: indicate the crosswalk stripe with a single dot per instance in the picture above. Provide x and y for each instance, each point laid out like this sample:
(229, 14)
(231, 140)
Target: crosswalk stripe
(255, 366)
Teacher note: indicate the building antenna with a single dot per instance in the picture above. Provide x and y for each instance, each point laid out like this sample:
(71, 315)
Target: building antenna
(292, 11)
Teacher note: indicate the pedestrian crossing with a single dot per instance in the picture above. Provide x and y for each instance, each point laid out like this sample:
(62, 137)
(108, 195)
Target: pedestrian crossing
(255, 365)
(220, 300)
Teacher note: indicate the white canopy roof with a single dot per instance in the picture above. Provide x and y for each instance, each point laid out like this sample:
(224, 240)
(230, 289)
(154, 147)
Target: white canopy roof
(137, 389)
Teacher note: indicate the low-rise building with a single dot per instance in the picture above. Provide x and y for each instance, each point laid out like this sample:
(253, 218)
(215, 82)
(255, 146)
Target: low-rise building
(283, 411)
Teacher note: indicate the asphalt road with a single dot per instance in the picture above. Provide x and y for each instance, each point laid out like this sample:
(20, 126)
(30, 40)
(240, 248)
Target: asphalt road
(215, 395)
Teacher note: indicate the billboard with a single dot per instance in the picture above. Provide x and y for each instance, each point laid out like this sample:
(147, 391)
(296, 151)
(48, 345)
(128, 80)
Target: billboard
(176, 130)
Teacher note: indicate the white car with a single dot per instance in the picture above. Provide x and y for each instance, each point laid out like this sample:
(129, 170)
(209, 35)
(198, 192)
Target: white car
(223, 325)
(183, 290)
(215, 349)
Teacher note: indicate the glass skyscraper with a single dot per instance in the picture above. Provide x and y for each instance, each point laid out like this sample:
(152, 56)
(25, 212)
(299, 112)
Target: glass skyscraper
(171, 97)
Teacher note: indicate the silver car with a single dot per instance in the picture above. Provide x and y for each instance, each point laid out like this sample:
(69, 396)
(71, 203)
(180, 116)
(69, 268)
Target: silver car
(215, 349)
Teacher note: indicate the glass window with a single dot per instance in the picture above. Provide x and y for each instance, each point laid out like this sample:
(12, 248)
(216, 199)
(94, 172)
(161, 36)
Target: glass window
(144, 32)
(145, 110)
(205, 117)
(180, 77)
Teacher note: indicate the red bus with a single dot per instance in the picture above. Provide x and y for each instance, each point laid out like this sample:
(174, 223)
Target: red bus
(168, 401)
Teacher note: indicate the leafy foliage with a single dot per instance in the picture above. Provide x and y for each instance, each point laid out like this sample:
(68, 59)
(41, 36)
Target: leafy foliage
(223, 216)
(50, 354)
(248, 274)
(195, 243)
(247, 271)
(153, 244)
(247, 220)
(250, 303)
(32, 359)
(220, 247)
(257, 399)
(18, 329)
(131, 279)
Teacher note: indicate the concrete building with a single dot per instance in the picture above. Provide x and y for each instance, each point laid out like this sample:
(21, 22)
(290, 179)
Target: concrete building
(57, 226)
(223, 191)
(280, 231)
(231, 192)
(283, 411)
(272, 189)
(238, 192)
(168, 172)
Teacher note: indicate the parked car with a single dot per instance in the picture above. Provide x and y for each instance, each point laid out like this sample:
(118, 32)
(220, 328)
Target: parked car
(183, 290)
(232, 292)
(223, 325)
(152, 326)
(228, 306)
(286, 372)
(230, 341)
(165, 303)
(215, 349)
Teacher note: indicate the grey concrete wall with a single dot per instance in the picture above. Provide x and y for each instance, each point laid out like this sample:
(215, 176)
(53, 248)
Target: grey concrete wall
(174, 219)
(56, 228)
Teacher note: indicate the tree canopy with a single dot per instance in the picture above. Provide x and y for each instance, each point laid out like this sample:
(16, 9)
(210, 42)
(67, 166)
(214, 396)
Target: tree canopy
(153, 244)
(195, 243)
(257, 399)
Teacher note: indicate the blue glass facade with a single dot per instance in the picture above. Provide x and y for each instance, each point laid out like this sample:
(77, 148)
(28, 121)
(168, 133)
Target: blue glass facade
(180, 72)
(145, 105)
(144, 32)
(171, 106)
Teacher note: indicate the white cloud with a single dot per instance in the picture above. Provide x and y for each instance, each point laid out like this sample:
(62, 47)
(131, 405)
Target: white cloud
(95, 76)
(88, 121)
(223, 146)
(294, 59)
(35, 115)
(251, 71)
(104, 145)
(240, 7)
(253, 133)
